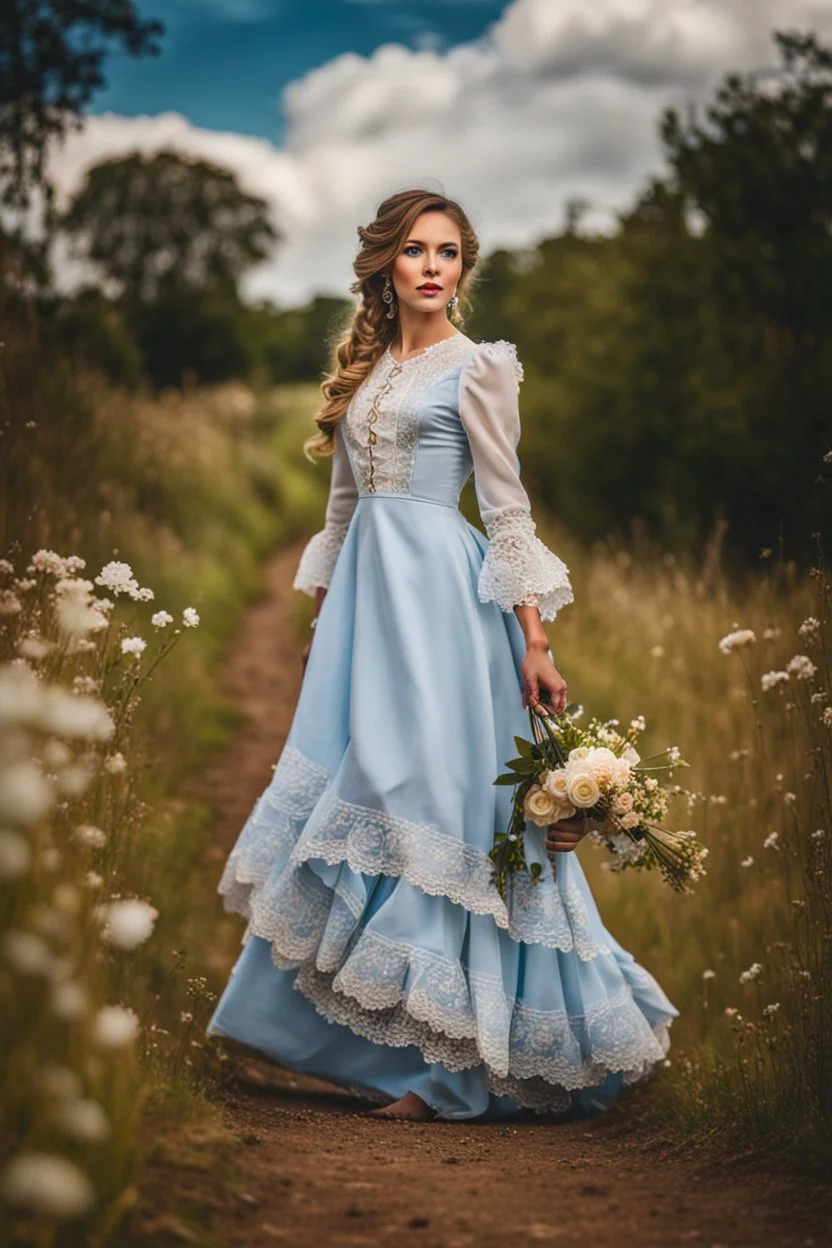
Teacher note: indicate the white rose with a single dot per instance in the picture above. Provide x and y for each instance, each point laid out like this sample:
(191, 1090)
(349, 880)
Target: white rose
(578, 754)
(603, 764)
(622, 771)
(539, 806)
(623, 803)
(630, 820)
(563, 810)
(582, 789)
(554, 782)
(631, 754)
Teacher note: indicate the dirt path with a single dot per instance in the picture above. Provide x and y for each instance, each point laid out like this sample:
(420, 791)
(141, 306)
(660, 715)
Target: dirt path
(308, 1170)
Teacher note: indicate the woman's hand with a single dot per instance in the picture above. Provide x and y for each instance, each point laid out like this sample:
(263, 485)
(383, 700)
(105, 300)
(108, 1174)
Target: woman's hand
(566, 834)
(541, 679)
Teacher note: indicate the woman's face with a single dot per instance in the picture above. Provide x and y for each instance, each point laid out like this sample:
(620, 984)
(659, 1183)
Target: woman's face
(429, 264)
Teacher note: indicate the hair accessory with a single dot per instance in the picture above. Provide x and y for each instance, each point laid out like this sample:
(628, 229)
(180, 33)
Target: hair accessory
(387, 296)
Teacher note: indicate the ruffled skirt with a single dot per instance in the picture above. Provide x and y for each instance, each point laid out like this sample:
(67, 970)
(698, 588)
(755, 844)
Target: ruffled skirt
(378, 954)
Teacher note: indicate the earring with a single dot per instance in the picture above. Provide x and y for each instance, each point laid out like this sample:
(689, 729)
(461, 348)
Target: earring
(452, 302)
(387, 296)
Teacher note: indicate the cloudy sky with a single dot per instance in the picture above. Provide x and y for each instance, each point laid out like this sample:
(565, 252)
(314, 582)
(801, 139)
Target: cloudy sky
(513, 107)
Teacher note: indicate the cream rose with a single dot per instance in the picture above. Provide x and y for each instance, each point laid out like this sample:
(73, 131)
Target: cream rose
(622, 771)
(554, 782)
(582, 789)
(579, 753)
(603, 764)
(630, 820)
(539, 806)
(623, 803)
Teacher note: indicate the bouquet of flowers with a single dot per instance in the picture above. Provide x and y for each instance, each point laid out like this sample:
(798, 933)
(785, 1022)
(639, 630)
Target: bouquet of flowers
(596, 772)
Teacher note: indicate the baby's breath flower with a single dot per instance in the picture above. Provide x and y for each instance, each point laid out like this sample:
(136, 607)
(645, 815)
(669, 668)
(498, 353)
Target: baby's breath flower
(747, 862)
(827, 717)
(47, 1185)
(133, 645)
(789, 798)
(731, 1012)
(771, 841)
(115, 764)
(709, 974)
(161, 618)
(770, 1010)
(810, 628)
(771, 634)
(115, 1026)
(118, 578)
(770, 680)
(819, 834)
(802, 667)
(68, 1000)
(89, 834)
(190, 618)
(754, 971)
(737, 640)
(128, 924)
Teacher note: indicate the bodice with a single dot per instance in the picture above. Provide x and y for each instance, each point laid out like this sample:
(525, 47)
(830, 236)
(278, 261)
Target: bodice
(402, 428)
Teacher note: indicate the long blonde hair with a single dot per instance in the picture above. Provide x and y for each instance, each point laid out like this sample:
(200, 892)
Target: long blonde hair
(371, 330)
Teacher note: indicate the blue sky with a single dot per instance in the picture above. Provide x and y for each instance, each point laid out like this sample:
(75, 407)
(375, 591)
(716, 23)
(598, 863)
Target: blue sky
(225, 62)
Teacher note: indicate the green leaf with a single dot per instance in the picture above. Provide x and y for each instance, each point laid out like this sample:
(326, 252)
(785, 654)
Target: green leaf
(506, 778)
(535, 869)
(524, 747)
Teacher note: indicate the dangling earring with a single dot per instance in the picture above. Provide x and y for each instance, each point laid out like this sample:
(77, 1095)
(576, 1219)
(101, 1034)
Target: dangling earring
(452, 302)
(387, 296)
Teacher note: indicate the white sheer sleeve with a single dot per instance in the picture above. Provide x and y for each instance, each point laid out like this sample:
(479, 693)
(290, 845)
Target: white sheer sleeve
(321, 551)
(518, 568)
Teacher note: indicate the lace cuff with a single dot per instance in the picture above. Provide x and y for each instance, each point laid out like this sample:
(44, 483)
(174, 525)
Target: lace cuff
(519, 569)
(318, 558)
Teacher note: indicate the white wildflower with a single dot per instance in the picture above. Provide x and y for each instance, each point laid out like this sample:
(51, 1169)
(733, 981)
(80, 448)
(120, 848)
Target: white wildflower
(93, 880)
(77, 716)
(50, 858)
(133, 645)
(754, 971)
(10, 604)
(25, 952)
(810, 628)
(6, 568)
(76, 618)
(731, 1012)
(118, 578)
(115, 764)
(819, 697)
(160, 619)
(789, 798)
(736, 640)
(657, 652)
(58, 1082)
(48, 1185)
(819, 834)
(68, 1000)
(82, 1120)
(128, 924)
(25, 794)
(115, 1026)
(85, 684)
(638, 724)
(74, 780)
(771, 841)
(190, 618)
(34, 648)
(747, 862)
(770, 680)
(709, 974)
(771, 634)
(802, 667)
(772, 1009)
(15, 855)
(89, 834)
(55, 753)
(827, 717)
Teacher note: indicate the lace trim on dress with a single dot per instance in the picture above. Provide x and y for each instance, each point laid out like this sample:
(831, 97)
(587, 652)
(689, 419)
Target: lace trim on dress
(501, 346)
(519, 568)
(318, 558)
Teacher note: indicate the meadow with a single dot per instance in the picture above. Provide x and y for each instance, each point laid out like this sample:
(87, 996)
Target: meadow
(135, 531)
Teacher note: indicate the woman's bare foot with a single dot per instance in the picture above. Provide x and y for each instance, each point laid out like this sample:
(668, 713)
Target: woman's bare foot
(410, 1106)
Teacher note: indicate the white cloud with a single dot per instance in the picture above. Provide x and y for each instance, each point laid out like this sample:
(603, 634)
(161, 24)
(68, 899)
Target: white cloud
(553, 101)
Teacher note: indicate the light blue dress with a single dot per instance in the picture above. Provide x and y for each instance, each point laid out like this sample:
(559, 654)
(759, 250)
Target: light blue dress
(378, 953)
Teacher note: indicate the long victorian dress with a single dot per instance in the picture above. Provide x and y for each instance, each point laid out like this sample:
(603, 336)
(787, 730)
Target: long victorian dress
(378, 954)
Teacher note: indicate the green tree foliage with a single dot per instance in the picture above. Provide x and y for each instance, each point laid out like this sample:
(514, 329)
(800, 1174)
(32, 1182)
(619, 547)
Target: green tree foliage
(51, 56)
(162, 223)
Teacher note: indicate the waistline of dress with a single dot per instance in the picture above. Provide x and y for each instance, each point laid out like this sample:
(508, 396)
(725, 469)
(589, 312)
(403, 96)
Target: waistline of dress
(409, 498)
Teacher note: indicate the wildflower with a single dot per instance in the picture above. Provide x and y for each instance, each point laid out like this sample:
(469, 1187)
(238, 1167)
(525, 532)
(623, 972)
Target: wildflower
(770, 1010)
(15, 855)
(819, 834)
(810, 628)
(133, 645)
(709, 974)
(747, 862)
(638, 724)
(59, 1082)
(789, 798)
(34, 648)
(736, 640)
(68, 1000)
(93, 880)
(76, 716)
(25, 953)
(50, 562)
(10, 604)
(190, 618)
(771, 634)
(771, 841)
(85, 684)
(827, 717)
(186, 1016)
(115, 764)
(160, 619)
(88, 834)
(754, 971)
(118, 578)
(82, 1120)
(115, 1026)
(48, 1185)
(77, 617)
(674, 753)
(25, 793)
(731, 1012)
(128, 924)
(802, 667)
(50, 858)
(770, 680)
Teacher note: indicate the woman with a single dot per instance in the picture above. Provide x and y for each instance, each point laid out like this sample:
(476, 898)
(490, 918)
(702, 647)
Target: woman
(378, 952)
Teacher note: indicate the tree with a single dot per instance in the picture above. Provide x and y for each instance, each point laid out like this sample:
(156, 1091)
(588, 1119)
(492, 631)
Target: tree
(167, 223)
(51, 54)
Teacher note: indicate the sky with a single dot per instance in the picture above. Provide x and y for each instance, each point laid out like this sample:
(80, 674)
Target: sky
(512, 107)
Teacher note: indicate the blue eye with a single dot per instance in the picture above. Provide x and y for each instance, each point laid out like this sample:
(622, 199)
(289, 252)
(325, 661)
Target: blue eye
(446, 250)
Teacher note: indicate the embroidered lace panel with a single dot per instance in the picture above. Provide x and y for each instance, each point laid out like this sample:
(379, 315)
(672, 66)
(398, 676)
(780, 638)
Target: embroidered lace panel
(519, 568)
(385, 407)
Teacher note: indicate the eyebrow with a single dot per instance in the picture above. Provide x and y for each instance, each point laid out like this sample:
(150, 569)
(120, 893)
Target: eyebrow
(421, 242)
